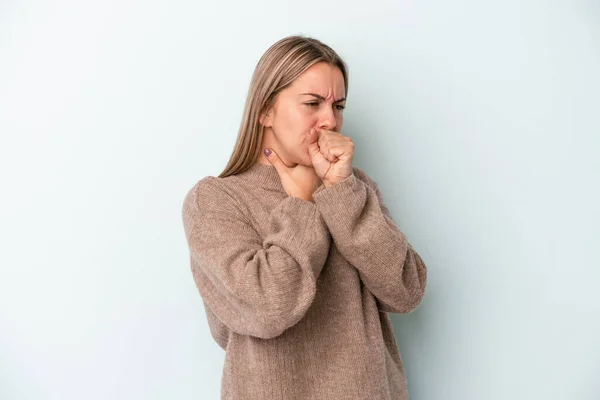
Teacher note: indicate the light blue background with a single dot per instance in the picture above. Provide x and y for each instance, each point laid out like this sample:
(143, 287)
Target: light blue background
(478, 119)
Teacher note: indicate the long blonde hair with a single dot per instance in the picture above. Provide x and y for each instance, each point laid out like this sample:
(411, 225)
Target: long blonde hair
(281, 64)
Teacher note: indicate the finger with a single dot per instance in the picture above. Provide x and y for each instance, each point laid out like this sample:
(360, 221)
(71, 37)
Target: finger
(324, 146)
(327, 152)
(314, 149)
(275, 161)
(328, 138)
(313, 144)
(336, 152)
(332, 134)
(331, 154)
(327, 144)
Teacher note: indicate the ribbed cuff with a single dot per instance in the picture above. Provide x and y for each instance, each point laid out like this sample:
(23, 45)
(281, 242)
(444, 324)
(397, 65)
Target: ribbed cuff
(341, 199)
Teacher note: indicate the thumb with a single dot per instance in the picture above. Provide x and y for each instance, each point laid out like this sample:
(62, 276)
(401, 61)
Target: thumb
(275, 161)
(313, 142)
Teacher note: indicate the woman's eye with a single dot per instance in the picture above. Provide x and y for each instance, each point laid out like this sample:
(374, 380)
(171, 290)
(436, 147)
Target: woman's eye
(316, 104)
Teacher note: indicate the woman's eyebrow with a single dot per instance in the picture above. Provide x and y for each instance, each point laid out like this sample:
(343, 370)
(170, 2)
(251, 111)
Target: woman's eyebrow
(318, 96)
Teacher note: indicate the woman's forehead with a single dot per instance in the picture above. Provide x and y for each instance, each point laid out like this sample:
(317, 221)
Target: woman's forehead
(321, 79)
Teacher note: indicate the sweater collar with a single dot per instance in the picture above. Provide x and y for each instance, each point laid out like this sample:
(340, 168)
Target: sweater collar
(264, 176)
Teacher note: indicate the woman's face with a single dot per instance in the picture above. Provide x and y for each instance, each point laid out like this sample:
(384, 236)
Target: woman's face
(315, 100)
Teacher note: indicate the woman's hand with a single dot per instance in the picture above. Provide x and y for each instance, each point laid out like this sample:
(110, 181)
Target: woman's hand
(300, 181)
(331, 154)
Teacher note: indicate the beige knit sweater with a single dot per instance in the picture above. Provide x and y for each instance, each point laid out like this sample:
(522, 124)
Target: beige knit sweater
(297, 292)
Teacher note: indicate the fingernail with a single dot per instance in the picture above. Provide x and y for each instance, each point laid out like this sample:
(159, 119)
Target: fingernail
(267, 152)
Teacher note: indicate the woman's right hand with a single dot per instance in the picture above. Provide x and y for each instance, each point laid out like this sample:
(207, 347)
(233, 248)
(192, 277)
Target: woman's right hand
(300, 181)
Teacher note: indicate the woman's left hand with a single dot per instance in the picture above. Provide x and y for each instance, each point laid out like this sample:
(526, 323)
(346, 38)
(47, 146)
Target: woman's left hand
(331, 154)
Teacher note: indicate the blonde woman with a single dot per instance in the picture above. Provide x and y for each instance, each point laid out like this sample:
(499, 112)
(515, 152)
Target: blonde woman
(293, 251)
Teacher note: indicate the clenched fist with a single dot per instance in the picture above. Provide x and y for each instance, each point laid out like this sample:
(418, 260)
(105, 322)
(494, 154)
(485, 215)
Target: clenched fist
(331, 154)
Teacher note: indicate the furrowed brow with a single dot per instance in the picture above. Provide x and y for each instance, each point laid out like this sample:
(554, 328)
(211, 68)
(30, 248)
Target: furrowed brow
(318, 96)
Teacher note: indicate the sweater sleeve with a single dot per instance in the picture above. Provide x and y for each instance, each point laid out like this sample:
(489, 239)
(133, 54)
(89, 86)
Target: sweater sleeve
(257, 286)
(366, 235)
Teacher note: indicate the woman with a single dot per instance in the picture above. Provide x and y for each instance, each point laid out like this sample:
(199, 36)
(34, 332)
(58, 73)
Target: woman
(294, 254)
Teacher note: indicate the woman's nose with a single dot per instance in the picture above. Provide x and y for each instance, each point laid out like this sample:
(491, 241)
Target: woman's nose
(327, 120)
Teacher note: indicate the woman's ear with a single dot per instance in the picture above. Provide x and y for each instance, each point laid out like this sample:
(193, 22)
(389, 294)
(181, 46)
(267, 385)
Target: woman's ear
(266, 118)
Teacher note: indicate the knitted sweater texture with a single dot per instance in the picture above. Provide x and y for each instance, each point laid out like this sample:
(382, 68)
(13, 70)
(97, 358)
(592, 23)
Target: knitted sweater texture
(298, 293)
